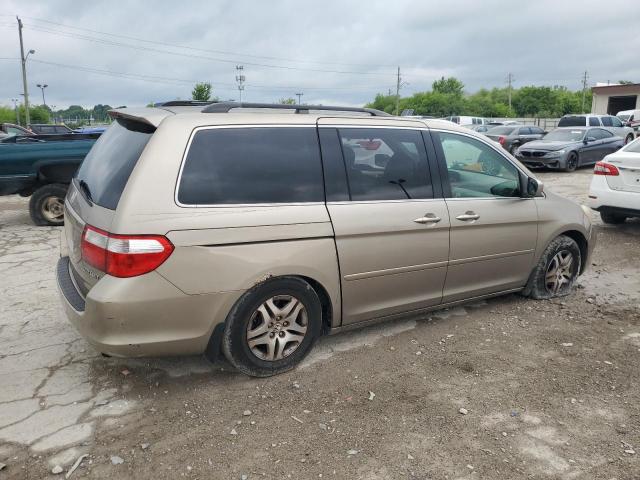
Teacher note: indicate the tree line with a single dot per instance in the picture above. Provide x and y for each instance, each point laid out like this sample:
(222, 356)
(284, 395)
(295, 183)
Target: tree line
(447, 97)
(74, 116)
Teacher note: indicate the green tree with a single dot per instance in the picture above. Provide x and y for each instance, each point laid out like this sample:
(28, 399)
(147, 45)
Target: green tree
(201, 91)
(287, 101)
(450, 85)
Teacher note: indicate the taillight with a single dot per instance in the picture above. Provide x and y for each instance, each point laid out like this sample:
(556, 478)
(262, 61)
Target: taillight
(604, 168)
(501, 140)
(124, 255)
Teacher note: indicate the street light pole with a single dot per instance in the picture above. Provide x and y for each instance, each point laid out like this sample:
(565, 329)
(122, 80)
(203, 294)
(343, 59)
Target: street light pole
(299, 97)
(24, 73)
(42, 87)
(15, 106)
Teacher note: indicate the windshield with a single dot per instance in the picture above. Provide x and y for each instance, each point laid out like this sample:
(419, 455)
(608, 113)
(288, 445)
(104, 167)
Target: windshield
(562, 135)
(573, 121)
(106, 168)
(501, 130)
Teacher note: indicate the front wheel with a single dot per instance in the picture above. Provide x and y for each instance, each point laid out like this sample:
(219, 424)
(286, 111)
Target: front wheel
(557, 270)
(572, 162)
(46, 205)
(628, 139)
(272, 327)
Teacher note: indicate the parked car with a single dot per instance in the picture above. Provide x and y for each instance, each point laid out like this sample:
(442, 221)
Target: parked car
(47, 129)
(512, 137)
(41, 166)
(479, 128)
(12, 129)
(608, 122)
(631, 119)
(465, 120)
(91, 129)
(256, 233)
(615, 187)
(495, 123)
(568, 148)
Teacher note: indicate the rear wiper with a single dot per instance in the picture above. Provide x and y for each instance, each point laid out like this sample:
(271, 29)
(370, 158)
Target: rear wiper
(84, 188)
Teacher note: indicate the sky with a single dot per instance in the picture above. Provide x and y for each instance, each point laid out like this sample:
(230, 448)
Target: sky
(333, 52)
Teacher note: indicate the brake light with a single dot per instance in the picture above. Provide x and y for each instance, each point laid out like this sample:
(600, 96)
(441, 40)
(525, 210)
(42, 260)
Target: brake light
(501, 140)
(603, 168)
(124, 255)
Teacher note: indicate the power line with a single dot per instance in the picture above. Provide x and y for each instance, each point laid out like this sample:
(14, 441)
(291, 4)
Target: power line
(224, 52)
(181, 81)
(103, 41)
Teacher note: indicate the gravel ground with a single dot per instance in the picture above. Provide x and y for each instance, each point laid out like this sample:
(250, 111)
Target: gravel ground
(547, 389)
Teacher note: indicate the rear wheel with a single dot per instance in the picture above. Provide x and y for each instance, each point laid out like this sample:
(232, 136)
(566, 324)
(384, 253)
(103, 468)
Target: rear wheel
(513, 148)
(556, 271)
(572, 162)
(612, 218)
(46, 205)
(272, 327)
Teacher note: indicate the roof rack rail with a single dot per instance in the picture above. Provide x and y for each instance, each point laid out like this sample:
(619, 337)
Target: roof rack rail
(225, 107)
(183, 103)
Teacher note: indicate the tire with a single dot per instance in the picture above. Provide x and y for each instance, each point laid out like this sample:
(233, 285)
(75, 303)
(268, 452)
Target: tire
(628, 139)
(253, 330)
(612, 218)
(46, 205)
(540, 286)
(572, 162)
(513, 148)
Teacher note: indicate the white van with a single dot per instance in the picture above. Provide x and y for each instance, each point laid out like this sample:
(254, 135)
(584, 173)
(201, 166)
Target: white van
(630, 118)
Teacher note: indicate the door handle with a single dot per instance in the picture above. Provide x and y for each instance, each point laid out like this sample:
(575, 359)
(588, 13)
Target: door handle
(428, 218)
(467, 216)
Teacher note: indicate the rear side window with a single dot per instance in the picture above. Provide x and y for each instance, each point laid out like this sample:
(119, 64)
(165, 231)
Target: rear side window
(606, 121)
(385, 164)
(573, 121)
(108, 165)
(594, 122)
(252, 165)
(524, 131)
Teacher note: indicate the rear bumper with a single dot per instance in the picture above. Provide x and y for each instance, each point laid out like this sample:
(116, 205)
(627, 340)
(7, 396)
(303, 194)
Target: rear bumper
(603, 199)
(142, 316)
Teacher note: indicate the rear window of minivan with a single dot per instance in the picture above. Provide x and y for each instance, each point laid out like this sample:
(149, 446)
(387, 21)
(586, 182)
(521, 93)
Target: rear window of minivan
(108, 165)
(252, 165)
(573, 121)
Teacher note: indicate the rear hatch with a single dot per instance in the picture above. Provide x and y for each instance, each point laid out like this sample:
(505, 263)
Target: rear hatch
(627, 161)
(96, 189)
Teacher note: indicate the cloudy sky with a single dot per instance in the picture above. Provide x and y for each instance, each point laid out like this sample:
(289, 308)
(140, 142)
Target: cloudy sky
(333, 51)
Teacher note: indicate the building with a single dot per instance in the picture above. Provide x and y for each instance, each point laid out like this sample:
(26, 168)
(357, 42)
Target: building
(614, 98)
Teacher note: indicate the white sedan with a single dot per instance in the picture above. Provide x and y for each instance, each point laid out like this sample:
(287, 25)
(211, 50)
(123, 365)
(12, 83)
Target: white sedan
(615, 187)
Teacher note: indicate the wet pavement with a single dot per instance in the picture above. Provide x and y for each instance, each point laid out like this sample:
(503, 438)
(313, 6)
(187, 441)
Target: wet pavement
(576, 405)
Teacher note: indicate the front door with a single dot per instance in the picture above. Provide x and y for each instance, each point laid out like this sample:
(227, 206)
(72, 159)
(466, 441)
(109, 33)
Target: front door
(493, 230)
(391, 228)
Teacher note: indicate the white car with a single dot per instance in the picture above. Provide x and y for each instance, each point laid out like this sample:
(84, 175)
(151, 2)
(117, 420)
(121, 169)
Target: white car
(615, 187)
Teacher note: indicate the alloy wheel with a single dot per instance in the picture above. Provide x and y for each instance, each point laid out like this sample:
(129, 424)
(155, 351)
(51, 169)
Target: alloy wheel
(559, 272)
(277, 328)
(53, 209)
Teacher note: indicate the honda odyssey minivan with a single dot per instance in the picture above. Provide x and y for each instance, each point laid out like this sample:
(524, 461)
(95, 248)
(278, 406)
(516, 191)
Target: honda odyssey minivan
(254, 229)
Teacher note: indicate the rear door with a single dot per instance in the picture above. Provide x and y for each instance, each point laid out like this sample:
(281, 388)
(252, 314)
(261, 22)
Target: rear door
(493, 230)
(95, 191)
(390, 221)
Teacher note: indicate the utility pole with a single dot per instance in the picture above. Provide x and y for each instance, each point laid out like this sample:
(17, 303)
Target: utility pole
(24, 74)
(299, 97)
(240, 78)
(510, 84)
(15, 106)
(42, 87)
(398, 79)
(585, 78)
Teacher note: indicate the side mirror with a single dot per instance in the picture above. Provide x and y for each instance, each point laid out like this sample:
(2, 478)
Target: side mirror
(589, 139)
(533, 188)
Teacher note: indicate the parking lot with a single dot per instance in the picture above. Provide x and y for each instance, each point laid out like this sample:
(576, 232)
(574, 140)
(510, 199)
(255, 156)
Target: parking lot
(505, 388)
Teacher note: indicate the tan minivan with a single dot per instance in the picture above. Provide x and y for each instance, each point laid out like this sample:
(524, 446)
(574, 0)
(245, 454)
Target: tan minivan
(254, 229)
